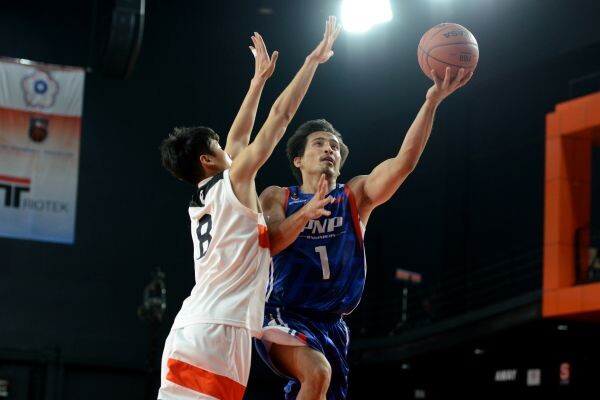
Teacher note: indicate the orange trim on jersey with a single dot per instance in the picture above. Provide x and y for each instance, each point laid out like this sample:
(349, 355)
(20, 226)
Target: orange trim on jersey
(263, 236)
(285, 200)
(302, 337)
(355, 217)
(14, 179)
(203, 381)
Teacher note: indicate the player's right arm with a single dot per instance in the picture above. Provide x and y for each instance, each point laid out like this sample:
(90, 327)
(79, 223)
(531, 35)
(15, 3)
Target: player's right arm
(239, 133)
(245, 167)
(283, 231)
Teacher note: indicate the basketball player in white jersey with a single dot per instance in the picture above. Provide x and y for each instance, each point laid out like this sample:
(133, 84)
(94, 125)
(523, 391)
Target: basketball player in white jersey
(207, 353)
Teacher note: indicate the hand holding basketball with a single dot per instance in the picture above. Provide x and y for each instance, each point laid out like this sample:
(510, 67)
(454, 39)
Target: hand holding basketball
(443, 88)
(448, 45)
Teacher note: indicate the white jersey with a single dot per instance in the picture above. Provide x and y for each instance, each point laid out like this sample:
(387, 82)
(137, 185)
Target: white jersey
(231, 259)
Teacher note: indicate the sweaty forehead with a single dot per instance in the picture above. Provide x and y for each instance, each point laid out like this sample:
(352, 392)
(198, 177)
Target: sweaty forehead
(322, 135)
(214, 144)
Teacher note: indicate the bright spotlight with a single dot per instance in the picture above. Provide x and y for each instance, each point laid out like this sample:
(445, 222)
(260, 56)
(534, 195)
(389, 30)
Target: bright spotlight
(361, 15)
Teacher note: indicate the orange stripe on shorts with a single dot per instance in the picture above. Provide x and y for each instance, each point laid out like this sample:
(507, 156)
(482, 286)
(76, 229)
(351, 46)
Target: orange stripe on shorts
(203, 381)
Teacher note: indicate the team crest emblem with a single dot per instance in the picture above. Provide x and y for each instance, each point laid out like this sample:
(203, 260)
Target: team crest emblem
(38, 129)
(39, 89)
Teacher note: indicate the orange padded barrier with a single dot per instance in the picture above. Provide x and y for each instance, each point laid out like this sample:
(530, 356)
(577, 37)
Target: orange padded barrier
(571, 131)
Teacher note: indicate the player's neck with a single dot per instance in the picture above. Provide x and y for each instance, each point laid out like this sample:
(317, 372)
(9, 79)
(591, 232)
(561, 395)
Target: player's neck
(310, 184)
(209, 174)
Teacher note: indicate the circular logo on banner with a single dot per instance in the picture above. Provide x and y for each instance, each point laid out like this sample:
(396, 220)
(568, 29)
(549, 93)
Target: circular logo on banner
(39, 89)
(38, 129)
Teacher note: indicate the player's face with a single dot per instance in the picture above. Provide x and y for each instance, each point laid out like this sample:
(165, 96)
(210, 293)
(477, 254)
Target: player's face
(221, 159)
(322, 154)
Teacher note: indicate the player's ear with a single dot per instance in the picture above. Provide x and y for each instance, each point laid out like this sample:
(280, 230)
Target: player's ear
(205, 159)
(297, 162)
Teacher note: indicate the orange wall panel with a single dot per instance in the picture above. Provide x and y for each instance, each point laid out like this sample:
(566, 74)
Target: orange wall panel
(570, 132)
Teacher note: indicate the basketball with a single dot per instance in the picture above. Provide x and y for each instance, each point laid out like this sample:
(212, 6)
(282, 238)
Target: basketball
(447, 45)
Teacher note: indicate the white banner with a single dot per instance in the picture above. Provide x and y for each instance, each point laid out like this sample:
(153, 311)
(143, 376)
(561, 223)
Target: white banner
(40, 127)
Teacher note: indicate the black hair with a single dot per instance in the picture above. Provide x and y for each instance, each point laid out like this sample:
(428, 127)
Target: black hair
(181, 150)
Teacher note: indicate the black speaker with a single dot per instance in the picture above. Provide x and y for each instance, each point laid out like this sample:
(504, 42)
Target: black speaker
(125, 35)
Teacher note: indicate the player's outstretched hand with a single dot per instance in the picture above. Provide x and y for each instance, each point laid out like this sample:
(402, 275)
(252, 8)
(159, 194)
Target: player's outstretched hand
(263, 64)
(323, 51)
(315, 208)
(444, 88)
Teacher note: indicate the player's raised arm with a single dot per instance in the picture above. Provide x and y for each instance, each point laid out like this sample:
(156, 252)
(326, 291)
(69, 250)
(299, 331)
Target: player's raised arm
(377, 187)
(248, 162)
(239, 133)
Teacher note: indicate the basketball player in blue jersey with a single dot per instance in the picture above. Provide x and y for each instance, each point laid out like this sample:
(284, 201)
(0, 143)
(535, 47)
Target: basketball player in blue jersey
(319, 266)
(208, 351)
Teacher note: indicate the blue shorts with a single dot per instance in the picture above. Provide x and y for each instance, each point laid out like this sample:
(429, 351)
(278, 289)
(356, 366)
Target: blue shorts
(325, 333)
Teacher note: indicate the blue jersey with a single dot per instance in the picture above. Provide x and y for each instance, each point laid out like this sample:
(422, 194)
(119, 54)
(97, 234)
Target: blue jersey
(324, 269)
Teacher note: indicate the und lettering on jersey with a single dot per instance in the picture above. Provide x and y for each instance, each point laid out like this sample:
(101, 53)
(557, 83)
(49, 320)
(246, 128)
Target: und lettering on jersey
(327, 228)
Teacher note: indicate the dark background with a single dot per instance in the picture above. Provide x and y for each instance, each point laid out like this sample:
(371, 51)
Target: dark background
(469, 219)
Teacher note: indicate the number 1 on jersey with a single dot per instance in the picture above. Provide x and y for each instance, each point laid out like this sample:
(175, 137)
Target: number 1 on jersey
(322, 250)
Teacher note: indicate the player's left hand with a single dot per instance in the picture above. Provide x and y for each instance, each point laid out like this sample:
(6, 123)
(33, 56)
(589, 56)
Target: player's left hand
(444, 88)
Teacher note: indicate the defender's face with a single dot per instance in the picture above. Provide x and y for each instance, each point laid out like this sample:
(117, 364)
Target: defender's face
(221, 160)
(321, 155)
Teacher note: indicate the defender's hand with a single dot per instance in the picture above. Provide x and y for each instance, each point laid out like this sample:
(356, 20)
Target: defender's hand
(323, 51)
(264, 66)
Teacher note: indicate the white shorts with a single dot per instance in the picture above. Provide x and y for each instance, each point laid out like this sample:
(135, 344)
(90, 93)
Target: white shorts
(206, 361)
